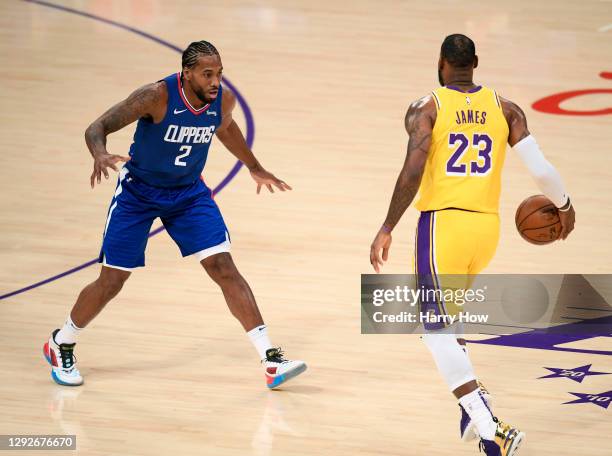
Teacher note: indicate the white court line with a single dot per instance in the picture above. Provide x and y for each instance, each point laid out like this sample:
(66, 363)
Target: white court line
(605, 28)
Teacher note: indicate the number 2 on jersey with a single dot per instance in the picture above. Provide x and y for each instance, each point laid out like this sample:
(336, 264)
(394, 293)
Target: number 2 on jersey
(178, 161)
(480, 166)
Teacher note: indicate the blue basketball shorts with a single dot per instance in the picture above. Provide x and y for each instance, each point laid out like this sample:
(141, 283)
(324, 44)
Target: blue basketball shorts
(189, 214)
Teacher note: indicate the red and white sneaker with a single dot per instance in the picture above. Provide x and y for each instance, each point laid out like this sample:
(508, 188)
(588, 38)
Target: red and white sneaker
(278, 369)
(63, 362)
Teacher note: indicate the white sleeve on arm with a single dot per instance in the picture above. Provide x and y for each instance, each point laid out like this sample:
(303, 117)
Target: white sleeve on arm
(546, 176)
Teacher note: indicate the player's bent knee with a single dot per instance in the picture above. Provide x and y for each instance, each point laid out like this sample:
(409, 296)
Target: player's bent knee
(220, 267)
(435, 339)
(453, 364)
(112, 279)
(440, 338)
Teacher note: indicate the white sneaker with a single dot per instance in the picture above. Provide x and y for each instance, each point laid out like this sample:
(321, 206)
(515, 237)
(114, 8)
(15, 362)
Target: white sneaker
(278, 369)
(63, 362)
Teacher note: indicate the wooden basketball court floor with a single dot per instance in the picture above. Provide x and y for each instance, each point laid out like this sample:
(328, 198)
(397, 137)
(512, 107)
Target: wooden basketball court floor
(167, 369)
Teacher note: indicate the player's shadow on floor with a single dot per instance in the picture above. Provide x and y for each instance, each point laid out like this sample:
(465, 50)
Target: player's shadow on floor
(299, 389)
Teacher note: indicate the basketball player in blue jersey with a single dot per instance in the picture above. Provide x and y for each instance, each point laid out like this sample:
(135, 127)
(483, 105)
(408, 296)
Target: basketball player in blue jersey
(458, 136)
(177, 119)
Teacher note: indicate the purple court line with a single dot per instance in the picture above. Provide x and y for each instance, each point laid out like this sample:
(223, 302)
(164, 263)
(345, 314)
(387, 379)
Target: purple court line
(504, 326)
(248, 115)
(590, 308)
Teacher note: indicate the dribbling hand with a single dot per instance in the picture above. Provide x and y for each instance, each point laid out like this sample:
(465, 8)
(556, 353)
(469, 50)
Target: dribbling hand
(101, 163)
(567, 219)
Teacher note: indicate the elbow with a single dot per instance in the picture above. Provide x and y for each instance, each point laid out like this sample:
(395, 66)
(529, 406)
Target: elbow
(409, 181)
(540, 175)
(89, 131)
(94, 130)
(415, 174)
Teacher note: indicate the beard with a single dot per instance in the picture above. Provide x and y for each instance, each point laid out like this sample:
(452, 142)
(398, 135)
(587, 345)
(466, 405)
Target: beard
(202, 96)
(440, 80)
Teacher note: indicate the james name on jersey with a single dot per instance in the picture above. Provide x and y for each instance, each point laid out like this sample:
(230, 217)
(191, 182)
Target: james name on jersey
(193, 135)
(470, 116)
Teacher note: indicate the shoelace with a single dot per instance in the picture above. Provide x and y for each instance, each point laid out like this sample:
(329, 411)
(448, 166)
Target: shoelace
(67, 355)
(275, 355)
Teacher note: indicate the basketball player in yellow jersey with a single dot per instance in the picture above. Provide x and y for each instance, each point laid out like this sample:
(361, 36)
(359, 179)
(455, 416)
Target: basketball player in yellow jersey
(458, 136)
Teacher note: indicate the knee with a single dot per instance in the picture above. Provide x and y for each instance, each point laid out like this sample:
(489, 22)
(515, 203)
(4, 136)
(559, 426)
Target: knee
(112, 280)
(439, 340)
(220, 267)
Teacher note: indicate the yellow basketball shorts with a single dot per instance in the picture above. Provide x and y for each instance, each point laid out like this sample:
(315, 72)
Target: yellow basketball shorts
(451, 246)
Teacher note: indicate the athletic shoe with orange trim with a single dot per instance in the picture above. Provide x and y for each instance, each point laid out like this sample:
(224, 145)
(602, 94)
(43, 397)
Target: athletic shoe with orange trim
(279, 369)
(63, 362)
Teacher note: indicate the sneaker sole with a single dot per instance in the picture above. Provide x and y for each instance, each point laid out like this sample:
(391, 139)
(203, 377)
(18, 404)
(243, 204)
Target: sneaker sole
(278, 381)
(54, 376)
(516, 443)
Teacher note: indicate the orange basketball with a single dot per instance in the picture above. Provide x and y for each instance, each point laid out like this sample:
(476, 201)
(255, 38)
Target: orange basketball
(537, 220)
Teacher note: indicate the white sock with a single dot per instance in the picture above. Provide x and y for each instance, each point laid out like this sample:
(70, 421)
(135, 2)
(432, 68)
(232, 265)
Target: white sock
(453, 363)
(261, 341)
(68, 333)
(475, 406)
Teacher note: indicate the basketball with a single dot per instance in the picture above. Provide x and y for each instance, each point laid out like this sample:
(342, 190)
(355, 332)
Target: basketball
(537, 220)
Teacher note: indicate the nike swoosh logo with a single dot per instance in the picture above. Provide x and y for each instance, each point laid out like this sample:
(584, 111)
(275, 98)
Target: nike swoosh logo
(176, 111)
(211, 113)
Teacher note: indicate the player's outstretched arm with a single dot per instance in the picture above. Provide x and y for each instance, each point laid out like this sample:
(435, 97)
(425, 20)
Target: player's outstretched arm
(148, 101)
(544, 173)
(419, 123)
(232, 138)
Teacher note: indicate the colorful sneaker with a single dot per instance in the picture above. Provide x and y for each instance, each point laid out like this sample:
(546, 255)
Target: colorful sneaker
(506, 443)
(467, 428)
(278, 369)
(63, 362)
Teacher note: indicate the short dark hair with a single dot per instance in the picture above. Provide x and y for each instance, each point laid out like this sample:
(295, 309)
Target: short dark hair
(195, 50)
(458, 50)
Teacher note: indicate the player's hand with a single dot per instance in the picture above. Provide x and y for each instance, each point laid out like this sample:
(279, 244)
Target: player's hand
(263, 177)
(381, 241)
(567, 218)
(102, 162)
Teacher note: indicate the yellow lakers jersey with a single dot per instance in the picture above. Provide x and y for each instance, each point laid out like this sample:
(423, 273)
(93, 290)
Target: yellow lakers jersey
(467, 152)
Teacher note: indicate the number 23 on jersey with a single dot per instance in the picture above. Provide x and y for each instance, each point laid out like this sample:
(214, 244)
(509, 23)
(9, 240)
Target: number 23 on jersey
(480, 166)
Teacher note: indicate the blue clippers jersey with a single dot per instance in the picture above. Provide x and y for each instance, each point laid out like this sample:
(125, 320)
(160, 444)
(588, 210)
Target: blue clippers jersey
(173, 152)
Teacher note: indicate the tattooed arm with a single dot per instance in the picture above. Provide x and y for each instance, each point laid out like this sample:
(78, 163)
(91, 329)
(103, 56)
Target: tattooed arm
(419, 123)
(147, 102)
